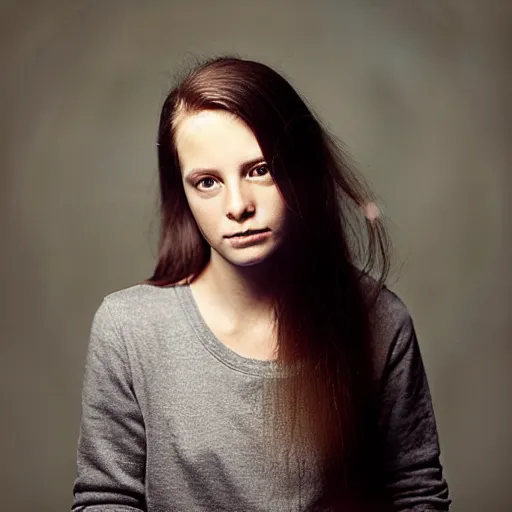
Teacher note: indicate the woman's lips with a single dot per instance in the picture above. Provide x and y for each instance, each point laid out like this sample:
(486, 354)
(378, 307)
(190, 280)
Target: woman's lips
(251, 239)
(250, 232)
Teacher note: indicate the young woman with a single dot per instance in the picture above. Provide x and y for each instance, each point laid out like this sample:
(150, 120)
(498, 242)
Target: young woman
(264, 366)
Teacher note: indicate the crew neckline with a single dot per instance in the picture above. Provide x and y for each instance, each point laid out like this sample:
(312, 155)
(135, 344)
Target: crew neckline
(230, 358)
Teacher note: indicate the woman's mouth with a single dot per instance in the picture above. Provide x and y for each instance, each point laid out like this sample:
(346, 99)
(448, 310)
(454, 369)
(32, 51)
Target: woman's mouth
(249, 238)
(248, 233)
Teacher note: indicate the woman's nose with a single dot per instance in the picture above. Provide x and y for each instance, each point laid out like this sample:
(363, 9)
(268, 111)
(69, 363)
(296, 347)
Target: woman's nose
(239, 203)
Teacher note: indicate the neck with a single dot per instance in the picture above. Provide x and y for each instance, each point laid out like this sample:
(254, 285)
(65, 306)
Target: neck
(244, 295)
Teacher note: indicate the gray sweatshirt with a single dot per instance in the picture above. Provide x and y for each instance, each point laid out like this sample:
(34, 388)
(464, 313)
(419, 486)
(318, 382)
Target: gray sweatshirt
(171, 417)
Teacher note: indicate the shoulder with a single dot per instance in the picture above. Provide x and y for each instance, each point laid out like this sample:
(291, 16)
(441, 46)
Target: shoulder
(140, 325)
(393, 328)
(139, 299)
(391, 312)
(139, 307)
(388, 308)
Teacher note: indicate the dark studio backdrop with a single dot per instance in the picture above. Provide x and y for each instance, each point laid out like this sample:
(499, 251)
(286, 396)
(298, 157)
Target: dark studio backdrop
(419, 91)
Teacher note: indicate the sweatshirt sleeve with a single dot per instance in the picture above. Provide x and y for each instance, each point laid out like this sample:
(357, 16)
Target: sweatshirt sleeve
(414, 475)
(111, 450)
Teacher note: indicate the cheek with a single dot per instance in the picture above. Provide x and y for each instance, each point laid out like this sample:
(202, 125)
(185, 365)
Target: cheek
(277, 207)
(204, 217)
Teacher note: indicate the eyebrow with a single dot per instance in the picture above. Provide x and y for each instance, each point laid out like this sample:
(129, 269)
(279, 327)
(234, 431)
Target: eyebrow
(245, 166)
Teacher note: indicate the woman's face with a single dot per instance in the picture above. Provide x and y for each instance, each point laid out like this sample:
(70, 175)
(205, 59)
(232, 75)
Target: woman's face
(229, 187)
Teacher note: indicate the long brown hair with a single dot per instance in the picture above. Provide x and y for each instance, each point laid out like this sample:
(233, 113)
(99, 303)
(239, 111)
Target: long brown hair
(330, 272)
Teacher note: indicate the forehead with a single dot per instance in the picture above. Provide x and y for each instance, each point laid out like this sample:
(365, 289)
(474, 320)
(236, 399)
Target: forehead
(214, 138)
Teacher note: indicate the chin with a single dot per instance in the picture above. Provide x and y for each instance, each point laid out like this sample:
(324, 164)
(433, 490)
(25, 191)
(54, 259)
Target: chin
(248, 262)
(248, 258)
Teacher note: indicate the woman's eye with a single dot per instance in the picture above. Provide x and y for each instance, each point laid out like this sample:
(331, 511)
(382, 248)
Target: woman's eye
(261, 168)
(208, 182)
(205, 180)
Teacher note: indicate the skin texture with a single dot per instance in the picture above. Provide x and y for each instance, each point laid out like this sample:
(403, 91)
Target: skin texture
(221, 204)
(225, 197)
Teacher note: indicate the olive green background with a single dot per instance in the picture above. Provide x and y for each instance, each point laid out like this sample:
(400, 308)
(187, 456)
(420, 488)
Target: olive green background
(420, 91)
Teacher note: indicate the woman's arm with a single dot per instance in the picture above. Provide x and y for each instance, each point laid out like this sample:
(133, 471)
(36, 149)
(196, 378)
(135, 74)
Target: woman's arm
(408, 426)
(111, 451)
